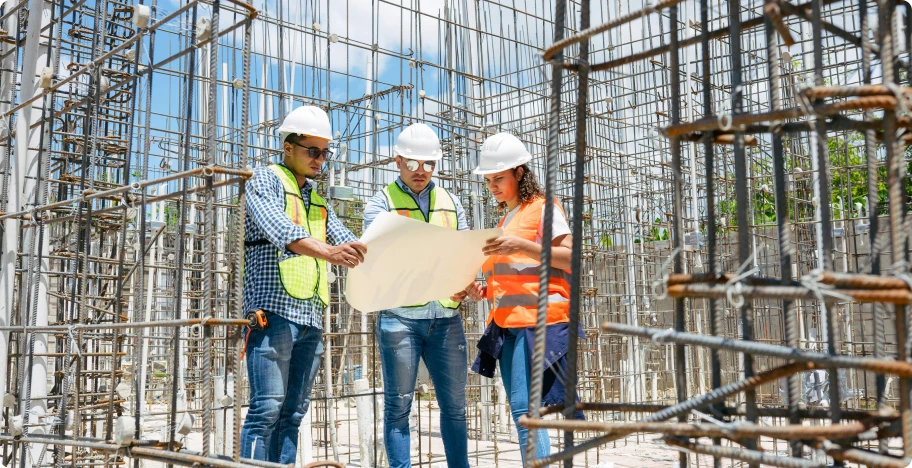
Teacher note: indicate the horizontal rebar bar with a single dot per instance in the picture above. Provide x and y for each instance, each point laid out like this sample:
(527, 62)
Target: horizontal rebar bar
(884, 366)
(752, 456)
(731, 431)
(207, 322)
(863, 457)
(706, 291)
(714, 396)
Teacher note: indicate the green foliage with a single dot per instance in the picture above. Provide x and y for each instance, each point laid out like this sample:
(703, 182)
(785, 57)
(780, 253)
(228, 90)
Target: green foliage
(605, 241)
(657, 232)
(849, 183)
(852, 185)
(728, 209)
(171, 216)
(765, 207)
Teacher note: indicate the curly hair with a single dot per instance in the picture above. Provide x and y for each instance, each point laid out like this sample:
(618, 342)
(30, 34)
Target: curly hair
(529, 189)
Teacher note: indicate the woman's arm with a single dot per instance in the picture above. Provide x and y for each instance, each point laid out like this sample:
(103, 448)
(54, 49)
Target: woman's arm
(510, 244)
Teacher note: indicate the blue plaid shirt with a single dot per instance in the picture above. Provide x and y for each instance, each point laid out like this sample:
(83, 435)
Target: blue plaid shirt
(379, 204)
(266, 219)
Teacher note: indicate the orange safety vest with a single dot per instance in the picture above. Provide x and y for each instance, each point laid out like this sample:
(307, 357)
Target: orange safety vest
(512, 290)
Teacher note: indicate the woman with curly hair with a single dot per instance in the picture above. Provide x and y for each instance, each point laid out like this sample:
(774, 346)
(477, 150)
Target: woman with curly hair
(511, 272)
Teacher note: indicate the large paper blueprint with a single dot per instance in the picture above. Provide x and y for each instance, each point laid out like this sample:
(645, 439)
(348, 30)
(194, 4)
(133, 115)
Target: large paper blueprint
(410, 262)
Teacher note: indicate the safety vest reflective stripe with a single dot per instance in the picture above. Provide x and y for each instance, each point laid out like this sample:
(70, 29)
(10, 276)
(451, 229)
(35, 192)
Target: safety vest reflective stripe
(527, 269)
(442, 213)
(512, 289)
(526, 300)
(303, 277)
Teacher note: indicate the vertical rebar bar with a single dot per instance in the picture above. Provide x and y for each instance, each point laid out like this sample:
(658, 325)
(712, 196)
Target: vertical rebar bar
(576, 254)
(793, 383)
(677, 236)
(552, 161)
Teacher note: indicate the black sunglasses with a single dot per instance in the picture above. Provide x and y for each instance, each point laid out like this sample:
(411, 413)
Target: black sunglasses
(315, 152)
(412, 165)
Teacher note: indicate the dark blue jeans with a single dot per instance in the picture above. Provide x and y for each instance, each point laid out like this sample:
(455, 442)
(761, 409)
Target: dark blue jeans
(516, 370)
(282, 362)
(442, 345)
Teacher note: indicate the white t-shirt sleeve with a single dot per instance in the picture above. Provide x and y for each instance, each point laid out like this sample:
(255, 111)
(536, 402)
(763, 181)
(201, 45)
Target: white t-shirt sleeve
(559, 226)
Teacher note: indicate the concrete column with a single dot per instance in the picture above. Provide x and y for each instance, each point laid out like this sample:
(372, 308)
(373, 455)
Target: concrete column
(10, 241)
(30, 192)
(368, 418)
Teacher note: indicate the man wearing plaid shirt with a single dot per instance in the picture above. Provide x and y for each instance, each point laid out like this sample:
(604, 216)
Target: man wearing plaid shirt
(290, 235)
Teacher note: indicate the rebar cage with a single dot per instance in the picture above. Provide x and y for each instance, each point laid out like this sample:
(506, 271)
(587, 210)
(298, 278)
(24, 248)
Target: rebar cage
(739, 222)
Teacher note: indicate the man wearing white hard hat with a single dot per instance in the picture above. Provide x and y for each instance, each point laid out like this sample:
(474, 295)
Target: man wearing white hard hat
(431, 331)
(291, 233)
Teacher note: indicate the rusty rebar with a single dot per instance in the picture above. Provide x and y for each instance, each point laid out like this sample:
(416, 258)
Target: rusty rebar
(863, 457)
(822, 360)
(714, 396)
(884, 415)
(587, 33)
(890, 296)
(731, 431)
(839, 280)
(751, 456)
(723, 122)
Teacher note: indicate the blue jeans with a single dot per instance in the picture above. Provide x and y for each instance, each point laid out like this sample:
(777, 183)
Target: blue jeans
(515, 368)
(282, 362)
(442, 345)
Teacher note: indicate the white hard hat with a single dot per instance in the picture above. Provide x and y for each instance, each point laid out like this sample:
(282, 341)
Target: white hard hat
(418, 141)
(308, 121)
(501, 152)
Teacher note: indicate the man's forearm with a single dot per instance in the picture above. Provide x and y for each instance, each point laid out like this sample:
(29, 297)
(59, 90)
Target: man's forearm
(309, 247)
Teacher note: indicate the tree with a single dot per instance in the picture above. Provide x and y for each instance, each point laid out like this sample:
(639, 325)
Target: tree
(848, 183)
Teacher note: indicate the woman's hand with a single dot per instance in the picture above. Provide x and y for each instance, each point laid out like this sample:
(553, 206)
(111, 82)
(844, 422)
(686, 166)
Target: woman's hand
(507, 244)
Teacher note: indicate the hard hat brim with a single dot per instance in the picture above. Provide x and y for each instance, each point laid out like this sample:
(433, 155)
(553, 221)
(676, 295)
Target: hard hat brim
(420, 157)
(318, 137)
(284, 135)
(417, 157)
(480, 171)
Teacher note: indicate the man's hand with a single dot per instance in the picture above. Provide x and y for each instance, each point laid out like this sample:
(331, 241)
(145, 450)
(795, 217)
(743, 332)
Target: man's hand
(473, 291)
(349, 254)
(458, 297)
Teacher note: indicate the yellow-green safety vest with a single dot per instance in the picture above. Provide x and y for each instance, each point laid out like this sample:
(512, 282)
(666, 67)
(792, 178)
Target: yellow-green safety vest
(303, 277)
(442, 213)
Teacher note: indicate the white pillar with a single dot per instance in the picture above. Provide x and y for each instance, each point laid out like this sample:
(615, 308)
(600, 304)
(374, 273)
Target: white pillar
(26, 172)
(224, 417)
(10, 226)
(368, 418)
(158, 216)
(305, 441)
(504, 419)
(327, 379)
